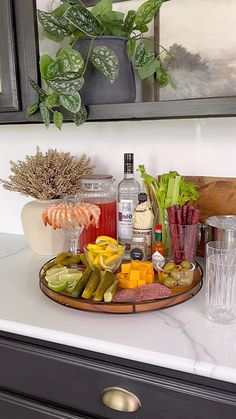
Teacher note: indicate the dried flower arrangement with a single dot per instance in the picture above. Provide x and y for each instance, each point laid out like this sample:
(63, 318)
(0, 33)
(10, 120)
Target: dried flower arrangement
(47, 176)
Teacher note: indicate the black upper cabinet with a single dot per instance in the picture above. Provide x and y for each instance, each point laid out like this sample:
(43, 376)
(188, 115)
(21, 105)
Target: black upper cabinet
(18, 58)
(9, 96)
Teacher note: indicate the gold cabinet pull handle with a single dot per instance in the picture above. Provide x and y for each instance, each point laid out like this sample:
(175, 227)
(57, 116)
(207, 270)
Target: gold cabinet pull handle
(120, 399)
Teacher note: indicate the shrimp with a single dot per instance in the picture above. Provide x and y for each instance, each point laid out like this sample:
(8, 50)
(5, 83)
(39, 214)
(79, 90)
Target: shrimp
(69, 215)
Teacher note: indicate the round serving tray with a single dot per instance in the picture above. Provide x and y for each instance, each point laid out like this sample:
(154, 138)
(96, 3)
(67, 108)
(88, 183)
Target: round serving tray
(179, 295)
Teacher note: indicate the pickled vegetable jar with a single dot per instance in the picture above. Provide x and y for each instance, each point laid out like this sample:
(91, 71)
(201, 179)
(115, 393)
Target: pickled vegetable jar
(99, 190)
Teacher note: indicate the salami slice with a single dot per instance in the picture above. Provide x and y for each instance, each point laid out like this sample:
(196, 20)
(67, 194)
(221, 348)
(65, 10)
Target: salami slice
(143, 293)
(125, 295)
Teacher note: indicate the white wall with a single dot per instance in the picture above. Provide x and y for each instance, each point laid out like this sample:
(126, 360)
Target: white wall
(192, 147)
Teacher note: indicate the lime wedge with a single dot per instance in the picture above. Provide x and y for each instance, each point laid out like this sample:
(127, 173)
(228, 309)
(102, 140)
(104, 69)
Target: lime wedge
(70, 278)
(56, 284)
(53, 271)
(52, 277)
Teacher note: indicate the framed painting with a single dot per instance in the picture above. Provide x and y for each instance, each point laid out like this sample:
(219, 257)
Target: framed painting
(201, 36)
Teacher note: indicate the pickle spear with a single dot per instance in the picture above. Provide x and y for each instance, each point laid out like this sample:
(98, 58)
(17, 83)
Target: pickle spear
(92, 284)
(82, 282)
(107, 280)
(110, 292)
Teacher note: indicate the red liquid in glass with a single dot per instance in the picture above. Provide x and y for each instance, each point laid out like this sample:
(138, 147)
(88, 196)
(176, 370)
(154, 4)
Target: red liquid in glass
(107, 224)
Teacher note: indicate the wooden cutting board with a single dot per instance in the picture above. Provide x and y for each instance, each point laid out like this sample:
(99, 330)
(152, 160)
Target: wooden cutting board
(217, 195)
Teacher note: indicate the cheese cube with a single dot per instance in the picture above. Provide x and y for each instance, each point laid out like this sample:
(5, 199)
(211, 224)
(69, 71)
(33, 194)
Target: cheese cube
(125, 268)
(143, 273)
(150, 277)
(136, 264)
(134, 275)
(148, 266)
(131, 283)
(123, 283)
(141, 282)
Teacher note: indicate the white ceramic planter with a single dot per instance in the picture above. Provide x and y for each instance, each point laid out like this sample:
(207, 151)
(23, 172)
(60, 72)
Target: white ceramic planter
(42, 240)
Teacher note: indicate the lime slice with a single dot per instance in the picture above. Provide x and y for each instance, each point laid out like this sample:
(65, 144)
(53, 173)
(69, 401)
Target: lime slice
(70, 278)
(57, 284)
(53, 271)
(52, 277)
(73, 271)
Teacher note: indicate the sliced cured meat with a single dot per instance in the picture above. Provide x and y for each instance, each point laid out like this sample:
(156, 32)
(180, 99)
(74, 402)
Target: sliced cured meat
(143, 293)
(152, 292)
(125, 295)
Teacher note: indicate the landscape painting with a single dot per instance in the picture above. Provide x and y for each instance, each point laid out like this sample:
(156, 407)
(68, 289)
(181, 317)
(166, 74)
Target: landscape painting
(201, 34)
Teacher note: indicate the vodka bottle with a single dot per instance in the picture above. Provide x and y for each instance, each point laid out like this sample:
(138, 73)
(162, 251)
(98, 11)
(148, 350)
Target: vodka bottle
(128, 190)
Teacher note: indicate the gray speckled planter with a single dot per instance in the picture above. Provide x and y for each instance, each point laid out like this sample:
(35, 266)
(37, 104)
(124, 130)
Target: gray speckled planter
(97, 88)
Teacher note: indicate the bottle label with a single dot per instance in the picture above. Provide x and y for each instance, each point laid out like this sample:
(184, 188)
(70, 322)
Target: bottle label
(157, 258)
(137, 254)
(125, 208)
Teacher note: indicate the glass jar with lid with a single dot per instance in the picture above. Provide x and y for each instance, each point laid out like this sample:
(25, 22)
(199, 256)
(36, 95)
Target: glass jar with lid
(138, 248)
(98, 189)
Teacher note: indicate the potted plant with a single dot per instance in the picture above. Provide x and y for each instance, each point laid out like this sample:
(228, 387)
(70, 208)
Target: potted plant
(46, 177)
(95, 64)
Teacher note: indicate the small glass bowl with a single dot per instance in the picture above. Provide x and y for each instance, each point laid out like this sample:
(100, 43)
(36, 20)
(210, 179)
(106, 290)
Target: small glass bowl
(104, 261)
(171, 274)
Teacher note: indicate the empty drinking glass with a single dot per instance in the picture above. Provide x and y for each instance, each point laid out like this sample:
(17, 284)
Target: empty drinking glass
(219, 247)
(221, 287)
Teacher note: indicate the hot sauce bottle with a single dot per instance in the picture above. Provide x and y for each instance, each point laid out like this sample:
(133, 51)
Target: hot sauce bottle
(157, 245)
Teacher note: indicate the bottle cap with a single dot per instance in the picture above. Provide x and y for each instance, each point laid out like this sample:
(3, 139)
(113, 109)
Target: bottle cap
(158, 227)
(142, 197)
(129, 163)
(129, 157)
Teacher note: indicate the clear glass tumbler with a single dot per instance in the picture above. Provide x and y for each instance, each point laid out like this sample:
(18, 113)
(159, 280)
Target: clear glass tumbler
(219, 247)
(221, 287)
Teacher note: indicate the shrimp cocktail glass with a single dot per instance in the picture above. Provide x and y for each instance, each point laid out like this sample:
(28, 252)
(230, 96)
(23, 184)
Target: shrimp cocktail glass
(72, 216)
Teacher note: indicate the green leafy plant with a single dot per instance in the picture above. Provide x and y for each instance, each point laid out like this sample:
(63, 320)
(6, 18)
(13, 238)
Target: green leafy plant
(63, 75)
(167, 190)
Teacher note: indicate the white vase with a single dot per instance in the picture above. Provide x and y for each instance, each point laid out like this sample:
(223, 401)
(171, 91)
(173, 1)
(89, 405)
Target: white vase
(42, 240)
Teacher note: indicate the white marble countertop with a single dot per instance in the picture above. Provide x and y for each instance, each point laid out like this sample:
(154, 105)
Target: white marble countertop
(179, 337)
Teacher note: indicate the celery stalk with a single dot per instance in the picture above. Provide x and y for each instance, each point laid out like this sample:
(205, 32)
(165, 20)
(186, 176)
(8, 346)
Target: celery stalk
(175, 190)
(170, 189)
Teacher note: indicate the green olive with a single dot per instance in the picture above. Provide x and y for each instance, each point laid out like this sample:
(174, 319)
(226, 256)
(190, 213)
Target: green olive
(170, 282)
(186, 273)
(169, 266)
(186, 264)
(184, 281)
(175, 275)
(162, 275)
